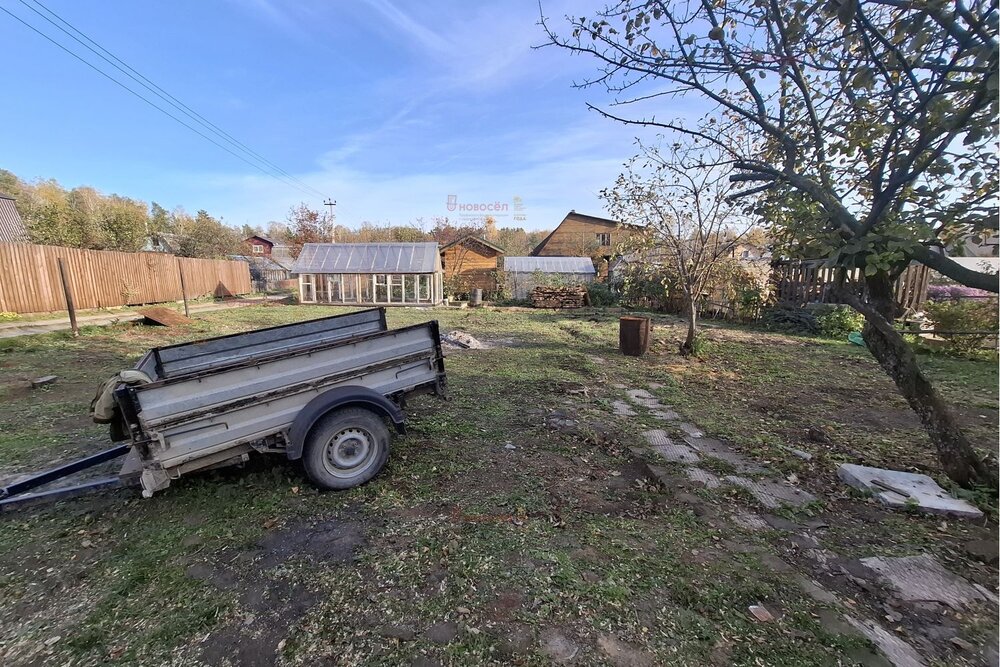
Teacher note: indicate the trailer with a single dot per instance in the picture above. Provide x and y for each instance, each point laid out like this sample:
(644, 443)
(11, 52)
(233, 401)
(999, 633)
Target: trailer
(322, 391)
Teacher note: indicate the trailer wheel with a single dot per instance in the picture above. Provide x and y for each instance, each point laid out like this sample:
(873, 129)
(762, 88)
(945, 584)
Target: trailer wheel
(346, 448)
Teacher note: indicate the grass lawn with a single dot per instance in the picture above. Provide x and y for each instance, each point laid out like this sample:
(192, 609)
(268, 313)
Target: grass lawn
(516, 523)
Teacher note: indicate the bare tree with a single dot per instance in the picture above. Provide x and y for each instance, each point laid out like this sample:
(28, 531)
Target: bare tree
(880, 113)
(682, 199)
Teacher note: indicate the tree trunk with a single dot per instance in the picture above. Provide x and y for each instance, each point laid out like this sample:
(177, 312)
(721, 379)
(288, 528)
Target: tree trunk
(687, 347)
(958, 460)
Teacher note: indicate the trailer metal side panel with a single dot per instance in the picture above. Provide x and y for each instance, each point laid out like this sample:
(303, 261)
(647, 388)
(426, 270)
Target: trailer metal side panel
(147, 364)
(197, 415)
(176, 360)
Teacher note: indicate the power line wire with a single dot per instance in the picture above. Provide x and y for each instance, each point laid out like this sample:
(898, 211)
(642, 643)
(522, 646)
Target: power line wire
(142, 80)
(152, 104)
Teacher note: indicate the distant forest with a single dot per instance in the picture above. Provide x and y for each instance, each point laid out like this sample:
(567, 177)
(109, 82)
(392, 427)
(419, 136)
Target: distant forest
(83, 217)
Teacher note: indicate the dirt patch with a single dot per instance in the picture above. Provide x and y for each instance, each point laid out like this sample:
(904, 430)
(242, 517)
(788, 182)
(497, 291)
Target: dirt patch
(332, 541)
(269, 607)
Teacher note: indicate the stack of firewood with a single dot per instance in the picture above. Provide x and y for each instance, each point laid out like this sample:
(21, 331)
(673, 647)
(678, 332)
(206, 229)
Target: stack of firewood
(560, 297)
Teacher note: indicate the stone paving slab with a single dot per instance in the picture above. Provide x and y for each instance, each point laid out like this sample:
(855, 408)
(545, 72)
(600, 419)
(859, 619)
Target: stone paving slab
(923, 579)
(703, 477)
(749, 521)
(668, 449)
(772, 494)
(643, 398)
(717, 449)
(911, 489)
(691, 430)
(895, 649)
(623, 409)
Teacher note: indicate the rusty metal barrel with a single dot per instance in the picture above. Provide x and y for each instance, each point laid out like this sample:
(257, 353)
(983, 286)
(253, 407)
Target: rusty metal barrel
(634, 335)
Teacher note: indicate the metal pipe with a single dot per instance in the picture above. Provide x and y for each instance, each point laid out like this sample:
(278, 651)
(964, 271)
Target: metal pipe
(64, 470)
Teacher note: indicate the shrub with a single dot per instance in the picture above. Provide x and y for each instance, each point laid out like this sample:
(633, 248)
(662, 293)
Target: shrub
(790, 319)
(751, 301)
(699, 346)
(838, 321)
(6, 316)
(601, 295)
(964, 315)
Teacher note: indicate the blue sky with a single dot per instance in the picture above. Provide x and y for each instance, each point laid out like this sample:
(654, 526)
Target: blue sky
(387, 106)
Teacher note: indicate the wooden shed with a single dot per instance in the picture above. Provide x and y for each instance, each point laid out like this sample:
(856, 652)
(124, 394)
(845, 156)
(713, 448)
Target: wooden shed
(385, 274)
(471, 262)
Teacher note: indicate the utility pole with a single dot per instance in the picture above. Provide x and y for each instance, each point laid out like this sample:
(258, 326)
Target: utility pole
(333, 219)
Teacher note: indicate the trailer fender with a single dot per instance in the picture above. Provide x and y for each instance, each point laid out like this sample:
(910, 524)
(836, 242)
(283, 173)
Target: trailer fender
(340, 397)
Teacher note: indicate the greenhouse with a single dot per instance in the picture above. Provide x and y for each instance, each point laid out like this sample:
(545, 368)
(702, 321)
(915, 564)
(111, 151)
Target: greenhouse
(384, 274)
(523, 274)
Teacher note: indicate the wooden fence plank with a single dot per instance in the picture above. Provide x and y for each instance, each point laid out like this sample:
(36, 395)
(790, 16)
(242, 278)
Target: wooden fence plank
(800, 282)
(29, 280)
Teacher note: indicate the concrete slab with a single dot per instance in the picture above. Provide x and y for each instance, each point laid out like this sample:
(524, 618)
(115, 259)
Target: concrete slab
(668, 449)
(923, 579)
(623, 409)
(746, 520)
(904, 489)
(666, 415)
(717, 449)
(892, 647)
(800, 453)
(691, 430)
(44, 380)
(771, 493)
(703, 477)
(643, 398)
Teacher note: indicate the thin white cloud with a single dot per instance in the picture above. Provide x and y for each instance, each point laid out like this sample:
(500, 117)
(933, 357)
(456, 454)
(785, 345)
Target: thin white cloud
(410, 27)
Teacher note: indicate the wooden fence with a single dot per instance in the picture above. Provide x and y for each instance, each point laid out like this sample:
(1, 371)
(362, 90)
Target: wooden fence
(29, 278)
(809, 281)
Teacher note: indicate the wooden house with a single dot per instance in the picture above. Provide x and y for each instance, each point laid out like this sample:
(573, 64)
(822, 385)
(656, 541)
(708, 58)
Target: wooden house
(471, 262)
(580, 235)
(396, 274)
(262, 246)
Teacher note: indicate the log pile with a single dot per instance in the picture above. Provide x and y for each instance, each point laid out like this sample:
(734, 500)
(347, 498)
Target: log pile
(560, 297)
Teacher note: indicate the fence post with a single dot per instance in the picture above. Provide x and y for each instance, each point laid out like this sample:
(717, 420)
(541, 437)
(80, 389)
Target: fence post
(184, 294)
(68, 291)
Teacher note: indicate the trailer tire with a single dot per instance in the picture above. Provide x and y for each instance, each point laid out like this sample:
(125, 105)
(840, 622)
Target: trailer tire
(346, 448)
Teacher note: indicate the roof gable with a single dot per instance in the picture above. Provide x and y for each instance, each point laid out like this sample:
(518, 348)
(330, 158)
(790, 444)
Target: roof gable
(581, 217)
(477, 239)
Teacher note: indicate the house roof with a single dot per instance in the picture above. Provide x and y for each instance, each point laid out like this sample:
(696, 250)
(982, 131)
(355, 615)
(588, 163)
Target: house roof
(581, 265)
(368, 258)
(583, 217)
(477, 239)
(262, 262)
(282, 254)
(12, 229)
